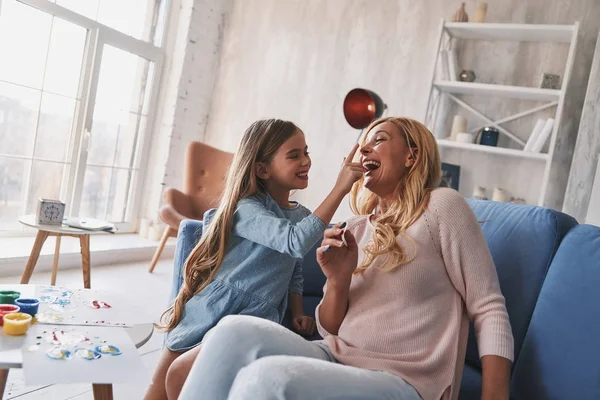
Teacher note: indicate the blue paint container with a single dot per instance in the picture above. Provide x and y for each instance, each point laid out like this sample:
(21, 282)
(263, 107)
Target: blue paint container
(28, 306)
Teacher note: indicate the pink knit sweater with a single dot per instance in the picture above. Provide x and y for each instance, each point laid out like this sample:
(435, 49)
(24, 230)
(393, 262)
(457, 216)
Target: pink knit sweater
(414, 321)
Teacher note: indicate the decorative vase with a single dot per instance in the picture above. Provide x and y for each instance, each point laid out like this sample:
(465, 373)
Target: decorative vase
(467, 76)
(461, 14)
(479, 193)
(499, 195)
(480, 11)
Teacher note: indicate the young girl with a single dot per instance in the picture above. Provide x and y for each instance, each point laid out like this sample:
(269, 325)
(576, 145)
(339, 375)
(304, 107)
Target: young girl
(249, 256)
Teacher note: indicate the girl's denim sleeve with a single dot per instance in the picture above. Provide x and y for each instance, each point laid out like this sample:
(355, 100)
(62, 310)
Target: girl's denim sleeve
(254, 222)
(297, 281)
(189, 234)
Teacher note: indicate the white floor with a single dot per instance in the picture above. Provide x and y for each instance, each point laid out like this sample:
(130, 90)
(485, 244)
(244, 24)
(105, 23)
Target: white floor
(132, 278)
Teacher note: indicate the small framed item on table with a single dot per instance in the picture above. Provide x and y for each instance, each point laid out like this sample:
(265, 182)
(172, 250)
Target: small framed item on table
(50, 212)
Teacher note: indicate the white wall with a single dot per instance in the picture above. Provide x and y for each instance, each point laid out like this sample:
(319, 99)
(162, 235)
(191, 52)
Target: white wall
(593, 213)
(587, 151)
(193, 39)
(296, 59)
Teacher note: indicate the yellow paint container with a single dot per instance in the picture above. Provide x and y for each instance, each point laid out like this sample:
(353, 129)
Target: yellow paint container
(16, 324)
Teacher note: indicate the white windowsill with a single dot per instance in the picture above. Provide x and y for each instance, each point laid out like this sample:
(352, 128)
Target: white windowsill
(105, 250)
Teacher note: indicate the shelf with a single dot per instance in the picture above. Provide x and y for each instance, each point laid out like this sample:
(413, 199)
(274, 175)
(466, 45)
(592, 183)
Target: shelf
(493, 150)
(514, 32)
(486, 89)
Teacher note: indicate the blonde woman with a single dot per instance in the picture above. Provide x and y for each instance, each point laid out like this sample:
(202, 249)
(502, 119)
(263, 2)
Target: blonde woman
(412, 269)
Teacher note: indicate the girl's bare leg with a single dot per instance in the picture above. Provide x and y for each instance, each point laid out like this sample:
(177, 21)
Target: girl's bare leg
(178, 372)
(157, 390)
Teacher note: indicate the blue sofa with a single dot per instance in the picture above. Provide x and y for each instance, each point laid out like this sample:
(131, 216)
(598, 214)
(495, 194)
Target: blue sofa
(549, 272)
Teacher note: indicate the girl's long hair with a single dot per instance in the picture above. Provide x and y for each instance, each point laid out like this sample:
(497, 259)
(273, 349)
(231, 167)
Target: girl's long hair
(413, 193)
(258, 144)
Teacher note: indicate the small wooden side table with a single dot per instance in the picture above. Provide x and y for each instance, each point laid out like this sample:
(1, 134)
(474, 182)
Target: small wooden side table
(59, 231)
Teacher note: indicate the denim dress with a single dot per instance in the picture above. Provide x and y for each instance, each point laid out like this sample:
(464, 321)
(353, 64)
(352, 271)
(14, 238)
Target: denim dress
(262, 266)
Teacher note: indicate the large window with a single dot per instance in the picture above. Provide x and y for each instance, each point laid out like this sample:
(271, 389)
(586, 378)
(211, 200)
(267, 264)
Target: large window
(78, 83)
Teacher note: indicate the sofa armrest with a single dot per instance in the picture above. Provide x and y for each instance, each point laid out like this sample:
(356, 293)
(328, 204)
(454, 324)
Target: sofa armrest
(560, 357)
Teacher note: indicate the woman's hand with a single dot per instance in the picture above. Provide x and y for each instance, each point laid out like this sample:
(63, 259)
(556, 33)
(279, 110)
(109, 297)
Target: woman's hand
(338, 260)
(350, 172)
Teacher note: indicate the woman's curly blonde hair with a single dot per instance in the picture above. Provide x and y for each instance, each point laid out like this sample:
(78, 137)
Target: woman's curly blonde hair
(413, 191)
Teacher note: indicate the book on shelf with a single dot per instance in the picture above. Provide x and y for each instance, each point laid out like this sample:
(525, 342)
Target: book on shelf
(453, 65)
(442, 70)
(540, 134)
(537, 129)
(543, 137)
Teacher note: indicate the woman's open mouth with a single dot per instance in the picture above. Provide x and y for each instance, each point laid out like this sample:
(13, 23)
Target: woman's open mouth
(370, 166)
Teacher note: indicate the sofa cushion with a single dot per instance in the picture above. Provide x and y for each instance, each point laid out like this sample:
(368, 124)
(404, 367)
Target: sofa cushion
(314, 279)
(470, 388)
(559, 357)
(522, 241)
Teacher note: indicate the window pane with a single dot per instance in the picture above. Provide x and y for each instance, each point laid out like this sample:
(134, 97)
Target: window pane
(120, 190)
(24, 33)
(123, 94)
(94, 198)
(12, 192)
(128, 140)
(123, 81)
(18, 118)
(105, 130)
(88, 8)
(46, 181)
(65, 58)
(132, 17)
(54, 130)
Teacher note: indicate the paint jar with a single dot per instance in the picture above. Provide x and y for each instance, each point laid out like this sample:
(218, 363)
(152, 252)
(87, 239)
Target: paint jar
(28, 306)
(7, 309)
(16, 324)
(9, 296)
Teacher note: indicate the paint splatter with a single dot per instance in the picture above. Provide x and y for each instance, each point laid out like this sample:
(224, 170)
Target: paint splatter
(58, 353)
(109, 349)
(87, 354)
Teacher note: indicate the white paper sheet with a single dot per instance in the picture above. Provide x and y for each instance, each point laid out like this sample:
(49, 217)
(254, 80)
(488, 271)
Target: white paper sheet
(59, 305)
(39, 369)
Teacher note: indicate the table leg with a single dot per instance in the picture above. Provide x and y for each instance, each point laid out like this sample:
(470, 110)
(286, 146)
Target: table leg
(3, 379)
(84, 240)
(55, 265)
(40, 238)
(102, 391)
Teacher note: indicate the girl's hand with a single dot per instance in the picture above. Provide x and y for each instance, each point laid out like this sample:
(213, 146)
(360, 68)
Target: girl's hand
(350, 172)
(338, 261)
(304, 325)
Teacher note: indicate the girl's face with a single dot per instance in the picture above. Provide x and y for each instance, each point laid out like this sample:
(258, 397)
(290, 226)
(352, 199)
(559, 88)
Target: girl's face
(288, 170)
(386, 159)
